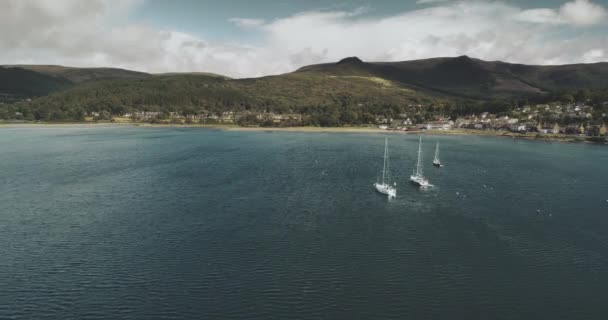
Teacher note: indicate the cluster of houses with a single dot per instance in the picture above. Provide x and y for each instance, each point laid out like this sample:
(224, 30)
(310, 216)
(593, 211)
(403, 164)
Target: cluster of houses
(279, 117)
(540, 118)
(555, 111)
(227, 117)
(408, 124)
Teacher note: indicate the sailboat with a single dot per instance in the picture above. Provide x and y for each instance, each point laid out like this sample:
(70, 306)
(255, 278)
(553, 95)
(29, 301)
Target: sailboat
(417, 176)
(383, 186)
(436, 161)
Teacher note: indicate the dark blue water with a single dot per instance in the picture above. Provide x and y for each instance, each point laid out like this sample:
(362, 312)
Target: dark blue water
(128, 223)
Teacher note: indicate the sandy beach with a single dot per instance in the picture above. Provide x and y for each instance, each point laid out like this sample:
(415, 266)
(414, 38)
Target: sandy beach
(462, 132)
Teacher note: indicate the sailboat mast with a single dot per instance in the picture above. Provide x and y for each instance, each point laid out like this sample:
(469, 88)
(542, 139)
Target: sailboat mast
(388, 163)
(385, 157)
(419, 164)
(437, 151)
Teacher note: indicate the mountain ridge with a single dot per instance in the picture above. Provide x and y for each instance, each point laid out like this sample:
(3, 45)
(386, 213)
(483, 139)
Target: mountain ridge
(350, 85)
(475, 78)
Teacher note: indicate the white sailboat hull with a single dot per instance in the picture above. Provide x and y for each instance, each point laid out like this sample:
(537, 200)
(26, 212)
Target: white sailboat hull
(419, 180)
(386, 189)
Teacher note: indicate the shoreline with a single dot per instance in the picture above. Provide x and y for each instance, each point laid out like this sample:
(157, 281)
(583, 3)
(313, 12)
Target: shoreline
(453, 132)
(375, 130)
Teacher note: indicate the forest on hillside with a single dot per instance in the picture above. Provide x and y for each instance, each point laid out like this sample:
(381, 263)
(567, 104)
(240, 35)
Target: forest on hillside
(321, 98)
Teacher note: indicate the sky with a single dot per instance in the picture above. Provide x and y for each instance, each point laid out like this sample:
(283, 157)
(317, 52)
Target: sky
(241, 38)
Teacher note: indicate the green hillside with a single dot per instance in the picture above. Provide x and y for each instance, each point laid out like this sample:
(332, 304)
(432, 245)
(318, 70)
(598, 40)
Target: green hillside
(17, 84)
(192, 93)
(79, 75)
(349, 89)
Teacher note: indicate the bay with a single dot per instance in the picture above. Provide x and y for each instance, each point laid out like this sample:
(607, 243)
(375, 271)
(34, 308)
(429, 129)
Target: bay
(187, 223)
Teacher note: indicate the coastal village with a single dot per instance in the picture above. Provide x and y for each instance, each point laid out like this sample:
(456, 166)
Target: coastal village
(553, 119)
(547, 119)
(228, 117)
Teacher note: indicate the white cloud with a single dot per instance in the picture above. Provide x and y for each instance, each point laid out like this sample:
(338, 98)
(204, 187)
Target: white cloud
(247, 22)
(577, 13)
(594, 55)
(95, 33)
(582, 12)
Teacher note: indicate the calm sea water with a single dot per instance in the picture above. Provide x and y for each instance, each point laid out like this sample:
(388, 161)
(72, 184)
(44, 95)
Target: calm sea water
(128, 223)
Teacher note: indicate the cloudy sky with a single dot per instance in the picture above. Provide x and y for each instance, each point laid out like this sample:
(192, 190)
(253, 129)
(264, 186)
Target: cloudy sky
(242, 38)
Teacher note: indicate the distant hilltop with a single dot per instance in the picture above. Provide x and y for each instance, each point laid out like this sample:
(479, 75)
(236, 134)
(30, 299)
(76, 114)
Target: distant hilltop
(350, 60)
